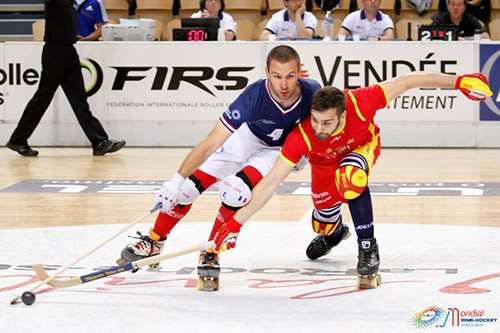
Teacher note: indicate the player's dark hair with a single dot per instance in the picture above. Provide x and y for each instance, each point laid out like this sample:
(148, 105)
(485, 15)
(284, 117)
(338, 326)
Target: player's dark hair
(327, 98)
(448, 1)
(283, 54)
(222, 5)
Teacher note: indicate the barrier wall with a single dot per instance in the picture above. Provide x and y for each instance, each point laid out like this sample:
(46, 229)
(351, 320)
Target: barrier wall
(171, 94)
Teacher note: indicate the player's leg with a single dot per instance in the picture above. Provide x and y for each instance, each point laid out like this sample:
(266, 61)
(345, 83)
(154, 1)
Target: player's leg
(352, 180)
(235, 191)
(153, 243)
(327, 223)
(326, 218)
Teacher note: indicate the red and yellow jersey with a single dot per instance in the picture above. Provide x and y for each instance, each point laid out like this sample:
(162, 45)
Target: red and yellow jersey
(357, 130)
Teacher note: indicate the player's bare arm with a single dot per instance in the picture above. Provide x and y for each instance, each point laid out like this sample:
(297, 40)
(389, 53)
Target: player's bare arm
(228, 232)
(204, 149)
(169, 192)
(264, 190)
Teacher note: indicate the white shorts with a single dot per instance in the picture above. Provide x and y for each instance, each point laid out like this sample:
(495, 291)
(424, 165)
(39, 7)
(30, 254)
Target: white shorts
(241, 149)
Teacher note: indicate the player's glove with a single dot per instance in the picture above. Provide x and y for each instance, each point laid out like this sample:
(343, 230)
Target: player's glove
(168, 195)
(474, 86)
(226, 237)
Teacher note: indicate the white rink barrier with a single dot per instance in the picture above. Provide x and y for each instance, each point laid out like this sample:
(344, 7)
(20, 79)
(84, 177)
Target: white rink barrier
(171, 94)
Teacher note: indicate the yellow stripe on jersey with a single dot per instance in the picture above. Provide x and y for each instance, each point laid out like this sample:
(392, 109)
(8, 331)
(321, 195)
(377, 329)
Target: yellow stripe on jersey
(286, 160)
(385, 94)
(304, 136)
(368, 150)
(355, 103)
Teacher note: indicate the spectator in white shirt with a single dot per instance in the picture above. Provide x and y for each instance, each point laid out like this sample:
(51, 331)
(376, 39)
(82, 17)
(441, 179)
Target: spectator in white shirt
(291, 22)
(215, 8)
(369, 23)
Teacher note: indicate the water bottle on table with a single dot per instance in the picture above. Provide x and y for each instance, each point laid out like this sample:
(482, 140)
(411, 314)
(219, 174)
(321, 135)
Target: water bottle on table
(328, 26)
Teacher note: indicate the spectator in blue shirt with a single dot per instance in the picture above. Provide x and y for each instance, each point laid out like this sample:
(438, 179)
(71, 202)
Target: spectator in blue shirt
(91, 17)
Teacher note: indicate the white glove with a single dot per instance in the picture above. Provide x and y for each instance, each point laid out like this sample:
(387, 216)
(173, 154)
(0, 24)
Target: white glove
(168, 195)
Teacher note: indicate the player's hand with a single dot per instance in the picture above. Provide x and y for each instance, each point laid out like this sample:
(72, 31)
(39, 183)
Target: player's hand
(474, 86)
(300, 11)
(168, 195)
(225, 238)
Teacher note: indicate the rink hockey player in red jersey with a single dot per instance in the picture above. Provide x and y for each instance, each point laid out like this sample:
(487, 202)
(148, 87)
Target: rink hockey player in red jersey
(342, 144)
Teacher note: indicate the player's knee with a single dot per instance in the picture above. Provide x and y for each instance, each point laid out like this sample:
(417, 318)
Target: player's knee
(351, 181)
(325, 222)
(188, 193)
(234, 192)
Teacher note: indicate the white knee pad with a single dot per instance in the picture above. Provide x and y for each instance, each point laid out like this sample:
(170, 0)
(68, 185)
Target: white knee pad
(234, 192)
(188, 193)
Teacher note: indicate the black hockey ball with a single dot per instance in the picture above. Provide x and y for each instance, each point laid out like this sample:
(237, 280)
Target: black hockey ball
(28, 298)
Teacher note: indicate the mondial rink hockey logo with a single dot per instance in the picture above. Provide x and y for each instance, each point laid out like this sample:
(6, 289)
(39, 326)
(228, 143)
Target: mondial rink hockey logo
(96, 75)
(490, 66)
(429, 317)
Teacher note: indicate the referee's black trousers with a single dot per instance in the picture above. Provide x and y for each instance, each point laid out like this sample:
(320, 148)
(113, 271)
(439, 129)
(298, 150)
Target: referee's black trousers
(60, 67)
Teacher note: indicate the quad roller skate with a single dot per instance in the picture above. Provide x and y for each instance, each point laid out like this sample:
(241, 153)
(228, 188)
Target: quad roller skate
(368, 262)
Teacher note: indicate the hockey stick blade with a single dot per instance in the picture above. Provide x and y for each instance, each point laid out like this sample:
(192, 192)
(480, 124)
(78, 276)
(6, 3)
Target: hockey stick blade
(74, 281)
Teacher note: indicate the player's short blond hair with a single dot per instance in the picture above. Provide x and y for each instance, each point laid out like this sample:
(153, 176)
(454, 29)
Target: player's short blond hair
(283, 54)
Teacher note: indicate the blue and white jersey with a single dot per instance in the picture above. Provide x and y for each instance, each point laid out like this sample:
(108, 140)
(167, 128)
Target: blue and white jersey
(90, 13)
(268, 120)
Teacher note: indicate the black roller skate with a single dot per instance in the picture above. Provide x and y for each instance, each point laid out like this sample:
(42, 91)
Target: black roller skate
(147, 246)
(208, 271)
(321, 245)
(368, 262)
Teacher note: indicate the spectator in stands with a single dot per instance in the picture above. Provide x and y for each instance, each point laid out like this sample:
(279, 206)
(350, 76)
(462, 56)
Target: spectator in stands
(91, 17)
(215, 8)
(467, 23)
(481, 9)
(132, 7)
(369, 23)
(293, 21)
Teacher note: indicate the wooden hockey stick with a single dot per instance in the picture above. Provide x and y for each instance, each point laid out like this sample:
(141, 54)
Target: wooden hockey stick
(17, 299)
(74, 281)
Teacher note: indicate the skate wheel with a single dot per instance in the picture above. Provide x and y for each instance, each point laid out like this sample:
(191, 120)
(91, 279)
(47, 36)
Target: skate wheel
(135, 270)
(208, 284)
(369, 281)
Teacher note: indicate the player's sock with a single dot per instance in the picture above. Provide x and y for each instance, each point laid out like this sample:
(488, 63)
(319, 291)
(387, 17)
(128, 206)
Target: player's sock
(251, 176)
(165, 222)
(224, 214)
(362, 214)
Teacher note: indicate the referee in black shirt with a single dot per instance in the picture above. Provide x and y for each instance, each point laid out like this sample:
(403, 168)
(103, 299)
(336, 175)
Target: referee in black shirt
(61, 67)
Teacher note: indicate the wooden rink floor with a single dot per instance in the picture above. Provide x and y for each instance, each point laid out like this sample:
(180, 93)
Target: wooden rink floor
(27, 210)
(437, 251)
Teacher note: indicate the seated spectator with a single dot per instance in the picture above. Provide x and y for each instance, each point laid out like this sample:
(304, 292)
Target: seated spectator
(91, 16)
(293, 21)
(481, 9)
(369, 23)
(215, 8)
(132, 7)
(467, 23)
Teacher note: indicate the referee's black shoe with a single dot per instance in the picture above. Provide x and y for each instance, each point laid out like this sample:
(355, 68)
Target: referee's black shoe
(108, 146)
(24, 150)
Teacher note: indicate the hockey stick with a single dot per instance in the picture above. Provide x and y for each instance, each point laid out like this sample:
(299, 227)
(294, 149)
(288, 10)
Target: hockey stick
(16, 299)
(74, 281)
